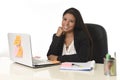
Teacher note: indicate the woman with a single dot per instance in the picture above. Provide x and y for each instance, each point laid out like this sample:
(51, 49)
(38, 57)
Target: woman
(72, 41)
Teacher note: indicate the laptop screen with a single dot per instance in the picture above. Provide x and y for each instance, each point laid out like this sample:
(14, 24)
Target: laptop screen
(20, 48)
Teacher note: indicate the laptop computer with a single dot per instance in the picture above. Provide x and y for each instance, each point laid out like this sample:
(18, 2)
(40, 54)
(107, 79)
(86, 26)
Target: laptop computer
(21, 51)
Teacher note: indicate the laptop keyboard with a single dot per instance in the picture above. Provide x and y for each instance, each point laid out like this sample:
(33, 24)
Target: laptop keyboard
(41, 61)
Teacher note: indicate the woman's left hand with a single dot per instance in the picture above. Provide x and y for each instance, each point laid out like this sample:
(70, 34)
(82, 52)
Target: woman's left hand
(52, 57)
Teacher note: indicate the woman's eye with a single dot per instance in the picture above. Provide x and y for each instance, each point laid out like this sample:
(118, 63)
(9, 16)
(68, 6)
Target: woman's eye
(64, 19)
(71, 21)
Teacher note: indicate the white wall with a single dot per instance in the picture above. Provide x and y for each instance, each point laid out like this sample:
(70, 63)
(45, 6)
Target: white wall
(40, 18)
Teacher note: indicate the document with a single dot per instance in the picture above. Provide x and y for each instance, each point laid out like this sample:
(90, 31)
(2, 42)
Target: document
(78, 66)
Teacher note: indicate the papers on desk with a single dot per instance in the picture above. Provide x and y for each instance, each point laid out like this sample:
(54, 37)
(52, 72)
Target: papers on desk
(78, 66)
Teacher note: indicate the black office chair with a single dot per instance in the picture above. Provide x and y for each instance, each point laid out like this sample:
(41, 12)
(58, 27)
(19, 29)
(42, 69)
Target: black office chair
(99, 37)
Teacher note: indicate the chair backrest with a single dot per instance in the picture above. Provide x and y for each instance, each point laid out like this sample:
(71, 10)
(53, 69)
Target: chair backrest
(99, 37)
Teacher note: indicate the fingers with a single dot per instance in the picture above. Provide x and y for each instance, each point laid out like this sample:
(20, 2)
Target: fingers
(59, 31)
(52, 58)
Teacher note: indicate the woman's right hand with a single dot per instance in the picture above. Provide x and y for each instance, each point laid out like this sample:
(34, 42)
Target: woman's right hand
(59, 31)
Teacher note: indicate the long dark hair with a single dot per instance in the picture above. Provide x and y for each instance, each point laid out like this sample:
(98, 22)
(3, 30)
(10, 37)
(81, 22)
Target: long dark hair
(79, 25)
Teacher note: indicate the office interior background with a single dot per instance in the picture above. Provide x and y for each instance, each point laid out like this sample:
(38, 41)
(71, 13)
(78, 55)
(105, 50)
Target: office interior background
(41, 18)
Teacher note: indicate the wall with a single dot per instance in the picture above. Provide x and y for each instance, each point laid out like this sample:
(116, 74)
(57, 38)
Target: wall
(41, 18)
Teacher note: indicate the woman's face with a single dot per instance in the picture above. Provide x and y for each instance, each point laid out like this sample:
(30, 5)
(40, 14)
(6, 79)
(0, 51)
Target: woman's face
(68, 22)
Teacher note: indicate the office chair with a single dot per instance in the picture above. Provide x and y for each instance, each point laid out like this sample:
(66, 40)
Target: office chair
(99, 37)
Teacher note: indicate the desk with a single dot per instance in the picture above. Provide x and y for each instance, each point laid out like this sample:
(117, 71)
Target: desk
(13, 71)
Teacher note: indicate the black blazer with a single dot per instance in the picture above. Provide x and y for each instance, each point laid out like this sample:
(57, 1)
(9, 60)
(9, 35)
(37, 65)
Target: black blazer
(81, 43)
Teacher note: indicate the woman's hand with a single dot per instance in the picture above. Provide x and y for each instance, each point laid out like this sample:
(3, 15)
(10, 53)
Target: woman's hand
(52, 57)
(59, 31)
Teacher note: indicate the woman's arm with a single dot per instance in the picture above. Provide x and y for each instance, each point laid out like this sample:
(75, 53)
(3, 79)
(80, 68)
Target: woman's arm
(56, 46)
(81, 45)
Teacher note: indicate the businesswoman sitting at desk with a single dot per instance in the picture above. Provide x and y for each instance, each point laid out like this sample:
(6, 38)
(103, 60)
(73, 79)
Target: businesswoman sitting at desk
(72, 41)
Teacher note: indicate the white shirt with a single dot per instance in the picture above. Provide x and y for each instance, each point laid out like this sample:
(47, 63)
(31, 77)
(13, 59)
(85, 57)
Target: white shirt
(71, 49)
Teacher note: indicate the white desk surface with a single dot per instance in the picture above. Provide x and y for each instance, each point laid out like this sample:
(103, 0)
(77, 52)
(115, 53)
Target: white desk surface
(13, 71)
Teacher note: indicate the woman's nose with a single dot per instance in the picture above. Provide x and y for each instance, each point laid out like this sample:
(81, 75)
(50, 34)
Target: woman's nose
(66, 23)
